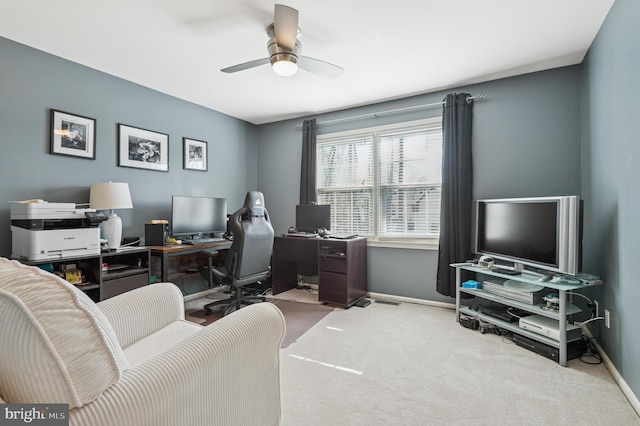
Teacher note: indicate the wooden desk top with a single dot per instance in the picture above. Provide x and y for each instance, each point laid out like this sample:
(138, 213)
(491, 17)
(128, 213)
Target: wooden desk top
(176, 248)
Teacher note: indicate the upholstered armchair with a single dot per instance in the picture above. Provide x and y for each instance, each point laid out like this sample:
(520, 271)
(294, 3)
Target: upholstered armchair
(133, 359)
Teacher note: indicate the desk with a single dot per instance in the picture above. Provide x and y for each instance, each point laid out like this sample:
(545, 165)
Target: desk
(341, 266)
(169, 262)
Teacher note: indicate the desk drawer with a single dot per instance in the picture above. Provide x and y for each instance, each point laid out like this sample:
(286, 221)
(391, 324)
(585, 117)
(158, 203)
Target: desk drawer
(333, 288)
(333, 263)
(110, 288)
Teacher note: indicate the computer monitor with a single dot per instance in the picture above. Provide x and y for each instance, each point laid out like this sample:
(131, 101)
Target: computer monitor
(198, 215)
(310, 217)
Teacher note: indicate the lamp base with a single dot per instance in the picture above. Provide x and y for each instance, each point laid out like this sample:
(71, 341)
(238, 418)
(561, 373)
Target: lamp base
(112, 230)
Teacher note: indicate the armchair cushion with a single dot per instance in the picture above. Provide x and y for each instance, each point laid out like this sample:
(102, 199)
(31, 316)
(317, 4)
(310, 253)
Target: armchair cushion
(129, 315)
(63, 341)
(161, 340)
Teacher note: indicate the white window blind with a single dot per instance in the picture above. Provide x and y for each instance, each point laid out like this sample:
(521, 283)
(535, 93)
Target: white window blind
(383, 182)
(345, 180)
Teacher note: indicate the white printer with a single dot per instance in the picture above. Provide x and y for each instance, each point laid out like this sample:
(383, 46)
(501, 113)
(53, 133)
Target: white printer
(42, 231)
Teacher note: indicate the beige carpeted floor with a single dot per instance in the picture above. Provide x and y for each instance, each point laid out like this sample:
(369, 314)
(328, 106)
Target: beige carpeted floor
(412, 364)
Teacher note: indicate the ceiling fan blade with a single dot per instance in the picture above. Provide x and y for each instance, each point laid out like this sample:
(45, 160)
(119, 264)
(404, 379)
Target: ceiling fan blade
(285, 25)
(246, 65)
(322, 68)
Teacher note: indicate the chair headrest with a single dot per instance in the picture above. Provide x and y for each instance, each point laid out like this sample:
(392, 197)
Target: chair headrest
(254, 203)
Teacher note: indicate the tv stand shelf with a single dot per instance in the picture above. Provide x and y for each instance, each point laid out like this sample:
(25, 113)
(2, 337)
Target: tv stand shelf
(565, 310)
(534, 309)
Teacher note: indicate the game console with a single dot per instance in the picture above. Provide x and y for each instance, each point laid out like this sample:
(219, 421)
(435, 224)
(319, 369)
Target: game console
(549, 327)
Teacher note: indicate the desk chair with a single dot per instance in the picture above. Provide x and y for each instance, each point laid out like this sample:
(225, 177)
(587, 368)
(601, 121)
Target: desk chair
(249, 258)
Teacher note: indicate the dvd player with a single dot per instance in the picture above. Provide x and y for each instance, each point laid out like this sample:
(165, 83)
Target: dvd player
(575, 349)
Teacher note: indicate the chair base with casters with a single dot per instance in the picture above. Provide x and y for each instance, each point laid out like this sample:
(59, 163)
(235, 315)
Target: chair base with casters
(236, 301)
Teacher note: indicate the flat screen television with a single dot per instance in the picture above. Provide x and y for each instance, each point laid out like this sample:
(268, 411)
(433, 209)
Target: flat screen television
(197, 216)
(311, 217)
(540, 232)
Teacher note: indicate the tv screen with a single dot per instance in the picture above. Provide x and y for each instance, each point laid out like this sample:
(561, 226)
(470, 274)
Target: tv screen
(523, 230)
(198, 215)
(543, 232)
(310, 217)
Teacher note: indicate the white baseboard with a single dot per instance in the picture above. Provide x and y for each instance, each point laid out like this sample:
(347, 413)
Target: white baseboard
(391, 298)
(622, 384)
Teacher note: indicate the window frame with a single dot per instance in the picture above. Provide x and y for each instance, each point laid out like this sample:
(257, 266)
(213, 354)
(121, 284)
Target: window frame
(429, 243)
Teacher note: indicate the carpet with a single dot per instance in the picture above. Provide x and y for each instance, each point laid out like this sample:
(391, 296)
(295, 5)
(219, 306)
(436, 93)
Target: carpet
(299, 317)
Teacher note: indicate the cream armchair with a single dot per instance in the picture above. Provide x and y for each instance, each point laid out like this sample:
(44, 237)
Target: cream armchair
(133, 359)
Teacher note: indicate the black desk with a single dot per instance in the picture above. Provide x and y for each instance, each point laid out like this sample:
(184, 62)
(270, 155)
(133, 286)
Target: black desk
(341, 266)
(179, 259)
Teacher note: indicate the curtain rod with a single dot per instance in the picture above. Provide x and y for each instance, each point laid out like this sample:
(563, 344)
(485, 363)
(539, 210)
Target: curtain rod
(394, 111)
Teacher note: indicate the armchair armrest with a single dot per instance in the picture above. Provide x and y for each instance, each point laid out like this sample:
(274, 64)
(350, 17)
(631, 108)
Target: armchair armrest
(228, 373)
(143, 311)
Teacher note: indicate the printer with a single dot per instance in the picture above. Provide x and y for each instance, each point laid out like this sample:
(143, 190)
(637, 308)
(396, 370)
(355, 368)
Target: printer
(43, 231)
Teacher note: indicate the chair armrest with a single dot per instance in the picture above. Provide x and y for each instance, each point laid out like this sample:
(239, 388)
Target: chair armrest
(228, 373)
(143, 311)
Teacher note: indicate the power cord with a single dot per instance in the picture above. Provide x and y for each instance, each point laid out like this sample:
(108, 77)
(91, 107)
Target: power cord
(591, 352)
(589, 320)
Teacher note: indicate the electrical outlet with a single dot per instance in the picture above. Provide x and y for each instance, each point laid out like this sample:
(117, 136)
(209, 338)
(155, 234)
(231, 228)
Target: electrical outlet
(597, 312)
(606, 319)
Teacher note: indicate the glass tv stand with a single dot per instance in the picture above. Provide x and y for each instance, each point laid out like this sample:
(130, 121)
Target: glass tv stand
(566, 309)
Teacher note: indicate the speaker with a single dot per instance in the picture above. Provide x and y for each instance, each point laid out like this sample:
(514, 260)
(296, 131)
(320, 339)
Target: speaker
(156, 234)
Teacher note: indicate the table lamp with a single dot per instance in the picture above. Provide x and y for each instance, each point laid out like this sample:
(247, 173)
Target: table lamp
(111, 196)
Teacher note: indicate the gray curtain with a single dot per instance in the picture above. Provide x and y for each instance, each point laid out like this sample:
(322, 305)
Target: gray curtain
(308, 167)
(457, 185)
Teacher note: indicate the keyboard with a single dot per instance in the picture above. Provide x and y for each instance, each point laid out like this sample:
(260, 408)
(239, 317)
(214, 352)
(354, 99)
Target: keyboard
(197, 241)
(301, 234)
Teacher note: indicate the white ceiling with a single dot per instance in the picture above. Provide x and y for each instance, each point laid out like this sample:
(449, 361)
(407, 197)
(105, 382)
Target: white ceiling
(389, 49)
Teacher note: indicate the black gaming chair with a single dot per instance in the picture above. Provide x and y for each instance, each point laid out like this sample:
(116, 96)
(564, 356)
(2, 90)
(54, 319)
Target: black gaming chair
(249, 258)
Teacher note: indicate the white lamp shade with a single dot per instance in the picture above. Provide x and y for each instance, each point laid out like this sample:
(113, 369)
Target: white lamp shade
(110, 196)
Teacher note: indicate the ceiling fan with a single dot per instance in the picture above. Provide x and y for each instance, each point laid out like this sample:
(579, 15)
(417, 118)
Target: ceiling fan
(284, 49)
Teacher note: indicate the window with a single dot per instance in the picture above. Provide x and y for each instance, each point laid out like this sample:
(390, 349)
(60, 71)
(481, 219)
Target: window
(383, 182)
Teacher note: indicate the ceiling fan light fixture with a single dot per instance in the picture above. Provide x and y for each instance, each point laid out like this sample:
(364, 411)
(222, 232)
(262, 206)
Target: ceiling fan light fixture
(284, 61)
(285, 65)
(285, 49)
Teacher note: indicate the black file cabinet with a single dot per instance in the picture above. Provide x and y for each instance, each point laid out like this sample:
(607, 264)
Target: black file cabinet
(342, 271)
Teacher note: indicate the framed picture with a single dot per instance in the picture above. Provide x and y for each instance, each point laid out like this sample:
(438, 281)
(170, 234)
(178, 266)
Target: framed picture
(142, 149)
(195, 154)
(73, 135)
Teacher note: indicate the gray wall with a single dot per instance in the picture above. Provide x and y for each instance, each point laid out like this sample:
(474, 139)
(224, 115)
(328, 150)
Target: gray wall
(611, 176)
(33, 82)
(526, 137)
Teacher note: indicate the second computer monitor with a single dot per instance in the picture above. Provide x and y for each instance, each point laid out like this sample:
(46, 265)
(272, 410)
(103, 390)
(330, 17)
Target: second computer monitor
(311, 217)
(196, 216)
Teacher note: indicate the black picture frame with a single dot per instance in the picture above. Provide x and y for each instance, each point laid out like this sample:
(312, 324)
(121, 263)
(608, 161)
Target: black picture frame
(142, 148)
(72, 135)
(195, 154)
